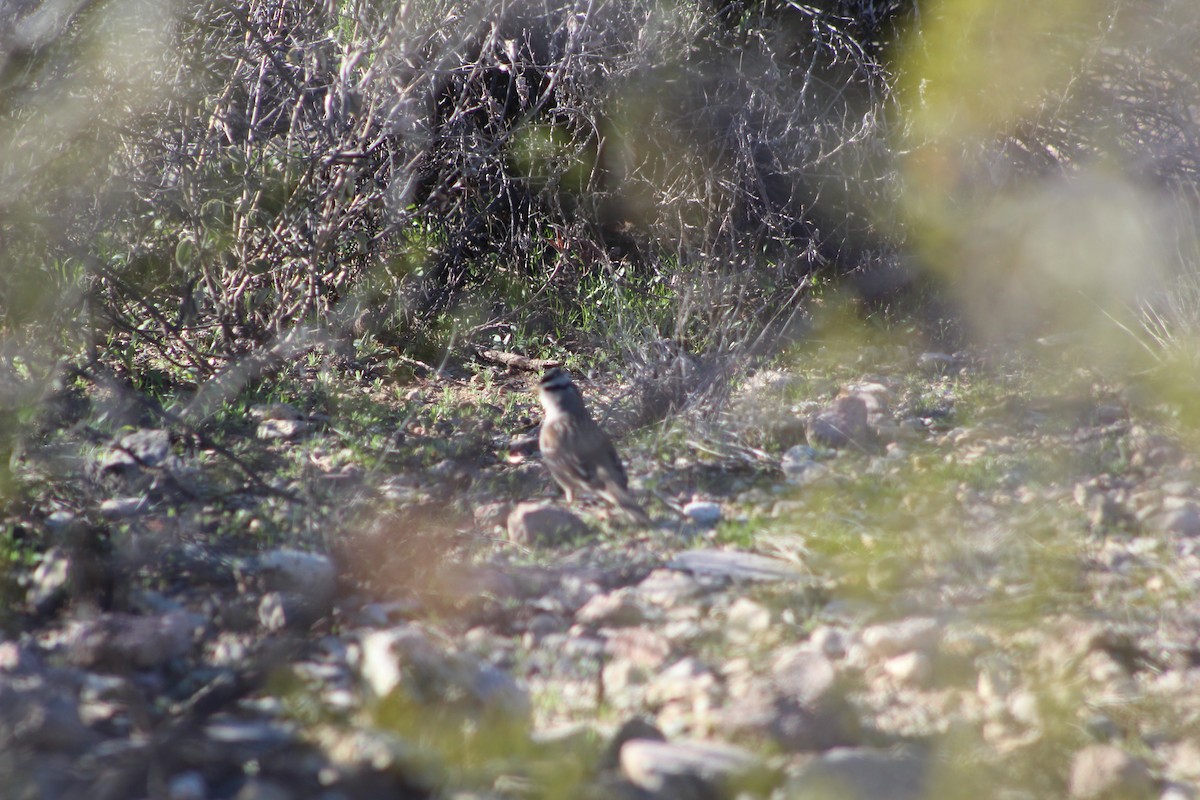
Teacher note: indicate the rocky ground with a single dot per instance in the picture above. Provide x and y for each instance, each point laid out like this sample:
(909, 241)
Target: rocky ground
(902, 575)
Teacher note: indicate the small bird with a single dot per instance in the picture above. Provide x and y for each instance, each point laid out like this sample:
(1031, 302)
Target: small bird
(577, 451)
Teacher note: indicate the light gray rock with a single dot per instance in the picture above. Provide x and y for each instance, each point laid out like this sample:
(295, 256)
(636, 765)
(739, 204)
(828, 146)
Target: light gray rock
(146, 447)
(841, 424)
(120, 641)
(1183, 520)
(491, 515)
(861, 773)
(406, 657)
(913, 668)
(687, 679)
(691, 769)
(735, 565)
(703, 512)
(124, 507)
(383, 654)
(937, 363)
(40, 714)
(667, 587)
(280, 611)
(619, 609)
(262, 789)
(1106, 771)
(289, 570)
(801, 466)
(188, 785)
(50, 582)
(544, 525)
(747, 619)
(801, 708)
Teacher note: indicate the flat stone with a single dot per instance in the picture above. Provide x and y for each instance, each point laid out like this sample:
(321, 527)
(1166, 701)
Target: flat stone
(544, 525)
(861, 773)
(735, 565)
(123, 507)
(690, 769)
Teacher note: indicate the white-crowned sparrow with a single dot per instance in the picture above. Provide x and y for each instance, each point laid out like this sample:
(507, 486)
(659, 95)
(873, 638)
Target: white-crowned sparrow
(577, 451)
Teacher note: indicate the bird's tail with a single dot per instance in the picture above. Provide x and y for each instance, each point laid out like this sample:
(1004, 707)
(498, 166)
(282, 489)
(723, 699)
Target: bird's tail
(623, 500)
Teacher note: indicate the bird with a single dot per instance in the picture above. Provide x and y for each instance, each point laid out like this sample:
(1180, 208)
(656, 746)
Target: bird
(577, 451)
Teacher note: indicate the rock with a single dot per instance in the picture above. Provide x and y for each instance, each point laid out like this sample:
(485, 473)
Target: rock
(633, 728)
(121, 641)
(829, 641)
(747, 619)
(937, 363)
(1107, 771)
(688, 770)
(289, 570)
(861, 773)
(617, 609)
(800, 709)
(646, 648)
(804, 676)
(913, 668)
(800, 465)
(703, 512)
(1183, 761)
(544, 525)
(382, 655)
(280, 611)
(40, 714)
(1183, 520)
(406, 658)
(1024, 707)
(141, 448)
(735, 565)
(667, 587)
(187, 786)
(284, 429)
(842, 424)
(261, 789)
(124, 507)
(895, 638)
(50, 583)
(491, 515)
(687, 679)
(618, 676)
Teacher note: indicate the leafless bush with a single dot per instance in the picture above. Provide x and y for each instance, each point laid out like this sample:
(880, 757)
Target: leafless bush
(373, 165)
